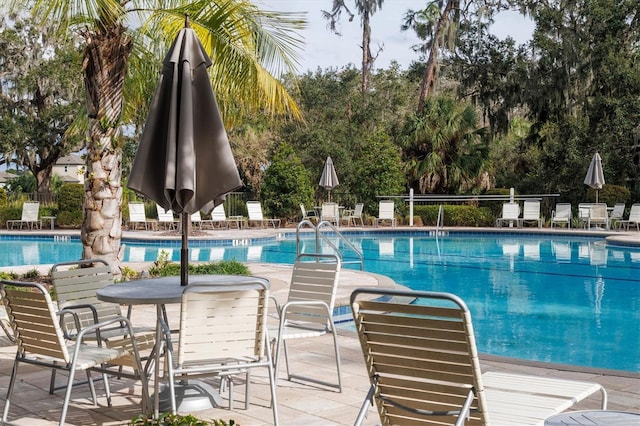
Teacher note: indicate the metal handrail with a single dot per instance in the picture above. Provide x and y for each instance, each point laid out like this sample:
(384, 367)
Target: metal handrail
(319, 235)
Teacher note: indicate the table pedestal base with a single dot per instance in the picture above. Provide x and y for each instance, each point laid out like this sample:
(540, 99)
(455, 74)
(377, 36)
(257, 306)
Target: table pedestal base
(193, 396)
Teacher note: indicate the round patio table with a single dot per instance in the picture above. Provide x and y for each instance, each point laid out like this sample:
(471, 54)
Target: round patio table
(160, 292)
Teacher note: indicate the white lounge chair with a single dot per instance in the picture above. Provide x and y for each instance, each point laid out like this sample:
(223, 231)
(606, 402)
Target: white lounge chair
(598, 215)
(137, 216)
(219, 217)
(561, 214)
(531, 214)
(633, 219)
(308, 311)
(386, 213)
(420, 353)
(29, 217)
(510, 215)
(616, 215)
(166, 218)
(254, 210)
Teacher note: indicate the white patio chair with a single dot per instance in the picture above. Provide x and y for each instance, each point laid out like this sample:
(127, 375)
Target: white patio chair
(598, 215)
(616, 215)
(353, 216)
(633, 219)
(308, 311)
(583, 213)
(29, 217)
(330, 213)
(41, 342)
(308, 214)
(222, 332)
(531, 214)
(386, 213)
(561, 214)
(510, 215)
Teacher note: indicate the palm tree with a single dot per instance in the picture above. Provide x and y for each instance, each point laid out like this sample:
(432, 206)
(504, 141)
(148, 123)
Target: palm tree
(445, 152)
(365, 8)
(247, 47)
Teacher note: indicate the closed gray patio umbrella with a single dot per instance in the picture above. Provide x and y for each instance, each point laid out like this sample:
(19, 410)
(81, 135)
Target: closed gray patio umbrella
(184, 161)
(329, 178)
(595, 175)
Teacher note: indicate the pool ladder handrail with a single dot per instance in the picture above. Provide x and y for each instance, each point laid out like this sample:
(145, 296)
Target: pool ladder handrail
(440, 223)
(319, 236)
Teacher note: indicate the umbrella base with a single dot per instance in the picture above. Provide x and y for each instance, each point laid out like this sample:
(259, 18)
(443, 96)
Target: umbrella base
(192, 396)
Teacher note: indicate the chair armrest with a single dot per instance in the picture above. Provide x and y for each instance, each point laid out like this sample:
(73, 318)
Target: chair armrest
(277, 305)
(72, 310)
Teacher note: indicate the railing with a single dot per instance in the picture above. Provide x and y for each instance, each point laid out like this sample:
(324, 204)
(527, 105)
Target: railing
(320, 237)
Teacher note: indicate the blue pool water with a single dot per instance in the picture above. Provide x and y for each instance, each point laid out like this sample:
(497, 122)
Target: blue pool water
(570, 300)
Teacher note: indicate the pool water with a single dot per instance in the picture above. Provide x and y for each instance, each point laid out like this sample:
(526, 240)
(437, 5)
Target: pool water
(538, 297)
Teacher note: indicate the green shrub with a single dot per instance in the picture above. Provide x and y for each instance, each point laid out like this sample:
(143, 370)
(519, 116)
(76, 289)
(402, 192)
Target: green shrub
(10, 213)
(454, 215)
(70, 205)
(610, 194)
(168, 419)
(3, 197)
(164, 268)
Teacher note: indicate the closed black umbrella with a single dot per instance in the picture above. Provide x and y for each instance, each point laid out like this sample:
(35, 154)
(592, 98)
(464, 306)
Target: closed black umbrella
(329, 178)
(184, 161)
(595, 176)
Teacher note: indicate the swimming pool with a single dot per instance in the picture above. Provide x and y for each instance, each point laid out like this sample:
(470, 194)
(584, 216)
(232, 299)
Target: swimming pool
(553, 298)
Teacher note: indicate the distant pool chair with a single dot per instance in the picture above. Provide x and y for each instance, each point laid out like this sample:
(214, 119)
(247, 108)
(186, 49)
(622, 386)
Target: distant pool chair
(561, 215)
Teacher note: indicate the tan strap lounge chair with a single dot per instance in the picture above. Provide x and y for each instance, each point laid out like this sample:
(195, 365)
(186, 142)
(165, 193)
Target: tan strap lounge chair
(420, 353)
(222, 332)
(41, 342)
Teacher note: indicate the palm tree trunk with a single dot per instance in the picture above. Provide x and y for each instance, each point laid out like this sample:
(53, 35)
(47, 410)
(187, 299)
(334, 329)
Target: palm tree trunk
(429, 75)
(366, 52)
(104, 66)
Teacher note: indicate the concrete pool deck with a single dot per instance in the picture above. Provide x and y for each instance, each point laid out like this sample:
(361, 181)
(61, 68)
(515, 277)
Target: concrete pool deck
(299, 403)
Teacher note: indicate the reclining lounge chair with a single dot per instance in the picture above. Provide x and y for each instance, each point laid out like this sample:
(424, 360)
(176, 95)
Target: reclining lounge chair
(424, 368)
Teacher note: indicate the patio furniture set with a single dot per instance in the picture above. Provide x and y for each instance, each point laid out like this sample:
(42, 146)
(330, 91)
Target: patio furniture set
(421, 357)
(590, 215)
(218, 220)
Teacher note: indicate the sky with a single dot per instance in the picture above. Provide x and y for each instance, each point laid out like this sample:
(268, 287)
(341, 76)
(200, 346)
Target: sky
(324, 49)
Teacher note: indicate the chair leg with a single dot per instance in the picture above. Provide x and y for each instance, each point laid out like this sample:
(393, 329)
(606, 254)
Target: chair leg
(12, 382)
